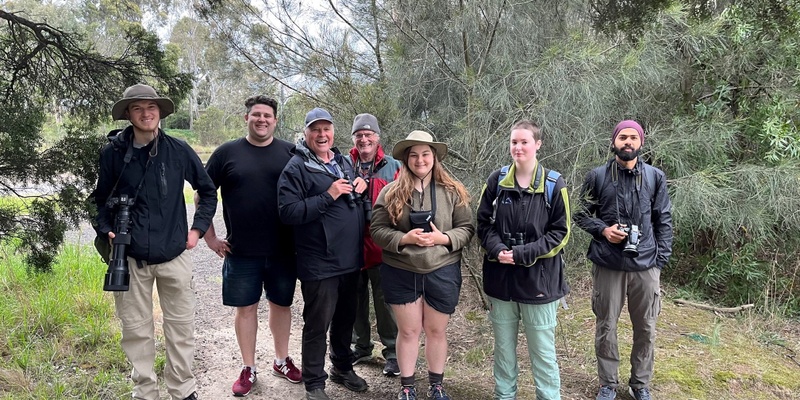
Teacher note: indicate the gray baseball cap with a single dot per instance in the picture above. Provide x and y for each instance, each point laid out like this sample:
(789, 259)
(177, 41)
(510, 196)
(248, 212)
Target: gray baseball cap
(318, 114)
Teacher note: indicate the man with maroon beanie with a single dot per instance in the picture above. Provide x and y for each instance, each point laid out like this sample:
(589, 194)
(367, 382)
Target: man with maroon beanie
(626, 209)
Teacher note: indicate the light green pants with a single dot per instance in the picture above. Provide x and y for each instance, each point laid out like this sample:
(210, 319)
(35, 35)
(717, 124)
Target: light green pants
(539, 321)
(134, 308)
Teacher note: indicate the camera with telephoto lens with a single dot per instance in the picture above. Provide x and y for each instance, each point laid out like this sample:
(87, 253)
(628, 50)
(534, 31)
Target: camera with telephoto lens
(631, 248)
(517, 240)
(117, 277)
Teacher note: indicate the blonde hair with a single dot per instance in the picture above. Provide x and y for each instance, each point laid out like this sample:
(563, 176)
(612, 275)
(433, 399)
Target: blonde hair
(399, 194)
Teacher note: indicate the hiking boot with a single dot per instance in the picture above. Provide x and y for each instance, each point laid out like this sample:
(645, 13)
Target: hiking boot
(192, 396)
(245, 382)
(640, 394)
(361, 356)
(349, 379)
(436, 392)
(287, 370)
(407, 393)
(317, 394)
(391, 368)
(606, 393)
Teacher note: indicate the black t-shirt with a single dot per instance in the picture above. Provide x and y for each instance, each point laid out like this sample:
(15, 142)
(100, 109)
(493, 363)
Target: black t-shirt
(247, 177)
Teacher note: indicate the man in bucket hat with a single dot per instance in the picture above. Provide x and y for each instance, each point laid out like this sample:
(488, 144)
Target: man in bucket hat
(149, 167)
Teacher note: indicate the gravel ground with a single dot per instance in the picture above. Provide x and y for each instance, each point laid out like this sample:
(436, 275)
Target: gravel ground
(217, 357)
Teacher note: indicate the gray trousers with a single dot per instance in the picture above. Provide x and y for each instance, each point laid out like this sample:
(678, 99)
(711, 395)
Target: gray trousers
(610, 289)
(387, 327)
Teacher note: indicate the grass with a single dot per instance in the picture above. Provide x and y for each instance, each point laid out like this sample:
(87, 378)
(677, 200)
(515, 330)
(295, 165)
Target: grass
(699, 355)
(58, 334)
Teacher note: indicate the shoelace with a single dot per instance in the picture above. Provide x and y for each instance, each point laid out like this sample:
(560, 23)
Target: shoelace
(437, 392)
(407, 392)
(643, 394)
(247, 374)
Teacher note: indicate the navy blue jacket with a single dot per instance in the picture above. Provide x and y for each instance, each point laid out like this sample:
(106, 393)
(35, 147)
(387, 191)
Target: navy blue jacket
(628, 196)
(328, 233)
(158, 225)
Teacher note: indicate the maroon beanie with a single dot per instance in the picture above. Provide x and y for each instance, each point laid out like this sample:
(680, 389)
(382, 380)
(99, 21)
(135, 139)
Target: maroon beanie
(628, 123)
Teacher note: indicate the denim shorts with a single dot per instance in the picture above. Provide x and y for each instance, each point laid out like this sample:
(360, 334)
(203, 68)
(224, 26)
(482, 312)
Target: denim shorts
(439, 288)
(244, 279)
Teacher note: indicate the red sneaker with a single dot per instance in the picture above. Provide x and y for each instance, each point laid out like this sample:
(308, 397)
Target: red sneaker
(288, 371)
(245, 382)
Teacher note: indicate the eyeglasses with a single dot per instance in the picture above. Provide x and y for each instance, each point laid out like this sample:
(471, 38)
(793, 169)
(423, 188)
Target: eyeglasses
(368, 135)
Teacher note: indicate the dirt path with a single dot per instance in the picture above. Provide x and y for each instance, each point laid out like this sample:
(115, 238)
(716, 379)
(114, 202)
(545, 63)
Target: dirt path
(217, 358)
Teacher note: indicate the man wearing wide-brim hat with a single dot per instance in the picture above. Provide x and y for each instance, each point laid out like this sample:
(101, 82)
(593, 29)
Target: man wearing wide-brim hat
(150, 167)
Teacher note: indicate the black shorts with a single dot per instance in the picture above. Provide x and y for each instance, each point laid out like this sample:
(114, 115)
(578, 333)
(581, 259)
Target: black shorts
(439, 288)
(244, 279)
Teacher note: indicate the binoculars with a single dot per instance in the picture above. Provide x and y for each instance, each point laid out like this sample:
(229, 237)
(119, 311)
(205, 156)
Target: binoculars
(517, 240)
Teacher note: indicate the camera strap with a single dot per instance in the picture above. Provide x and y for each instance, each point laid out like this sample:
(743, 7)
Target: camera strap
(432, 187)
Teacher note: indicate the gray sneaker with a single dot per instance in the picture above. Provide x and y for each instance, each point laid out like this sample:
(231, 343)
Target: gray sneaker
(606, 393)
(640, 394)
(391, 368)
(317, 394)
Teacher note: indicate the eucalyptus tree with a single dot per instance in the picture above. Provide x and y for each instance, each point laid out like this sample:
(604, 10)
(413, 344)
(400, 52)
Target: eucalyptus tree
(331, 56)
(44, 65)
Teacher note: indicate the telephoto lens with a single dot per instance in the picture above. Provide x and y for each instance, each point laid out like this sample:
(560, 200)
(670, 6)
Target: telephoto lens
(118, 277)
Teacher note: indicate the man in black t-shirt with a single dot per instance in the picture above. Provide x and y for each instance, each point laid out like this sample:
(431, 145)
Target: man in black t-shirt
(258, 250)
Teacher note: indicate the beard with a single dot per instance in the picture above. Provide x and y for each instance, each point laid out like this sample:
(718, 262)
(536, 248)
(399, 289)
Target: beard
(626, 155)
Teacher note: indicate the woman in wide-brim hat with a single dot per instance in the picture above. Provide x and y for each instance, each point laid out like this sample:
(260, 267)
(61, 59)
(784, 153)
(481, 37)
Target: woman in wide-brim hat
(422, 221)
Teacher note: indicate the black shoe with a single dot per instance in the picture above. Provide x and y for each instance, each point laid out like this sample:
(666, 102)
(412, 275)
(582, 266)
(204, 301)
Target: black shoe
(391, 368)
(349, 379)
(192, 396)
(361, 356)
(317, 394)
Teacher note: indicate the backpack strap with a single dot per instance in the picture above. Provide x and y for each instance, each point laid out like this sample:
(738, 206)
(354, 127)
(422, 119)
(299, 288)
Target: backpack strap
(550, 186)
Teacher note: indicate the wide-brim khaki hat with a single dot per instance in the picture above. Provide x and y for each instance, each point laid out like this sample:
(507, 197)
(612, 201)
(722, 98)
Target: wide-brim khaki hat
(141, 92)
(419, 137)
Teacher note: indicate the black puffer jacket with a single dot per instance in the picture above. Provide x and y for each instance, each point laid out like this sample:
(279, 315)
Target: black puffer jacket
(628, 196)
(328, 233)
(158, 226)
(537, 277)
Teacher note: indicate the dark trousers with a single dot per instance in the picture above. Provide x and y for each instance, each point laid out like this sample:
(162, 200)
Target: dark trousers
(387, 327)
(330, 304)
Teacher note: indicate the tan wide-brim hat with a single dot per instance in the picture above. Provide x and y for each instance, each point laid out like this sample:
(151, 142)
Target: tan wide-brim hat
(141, 92)
(419, 137)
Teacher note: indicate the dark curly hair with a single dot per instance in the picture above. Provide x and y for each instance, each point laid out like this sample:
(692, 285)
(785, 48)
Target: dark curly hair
(261, 99)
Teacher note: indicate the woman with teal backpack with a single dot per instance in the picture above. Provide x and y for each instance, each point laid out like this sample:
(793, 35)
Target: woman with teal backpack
(523, 225)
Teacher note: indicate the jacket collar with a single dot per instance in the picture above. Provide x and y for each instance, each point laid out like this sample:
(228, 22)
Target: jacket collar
(379, 156)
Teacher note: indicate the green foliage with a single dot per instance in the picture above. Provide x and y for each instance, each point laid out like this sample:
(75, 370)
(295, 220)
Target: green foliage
(214, 128)
(713, 83)
(49, 71)
(178, 120)
(55, 323)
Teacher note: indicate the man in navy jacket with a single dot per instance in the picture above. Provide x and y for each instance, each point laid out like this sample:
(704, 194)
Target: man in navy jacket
(320, 196)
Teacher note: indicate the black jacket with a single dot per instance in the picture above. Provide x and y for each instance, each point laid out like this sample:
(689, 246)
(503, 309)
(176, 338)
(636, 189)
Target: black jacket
(328, 233)
(158, 225)
(537, 277)
(627, 196)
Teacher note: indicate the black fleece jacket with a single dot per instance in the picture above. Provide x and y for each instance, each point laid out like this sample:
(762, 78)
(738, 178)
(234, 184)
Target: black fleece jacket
(158, 225)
